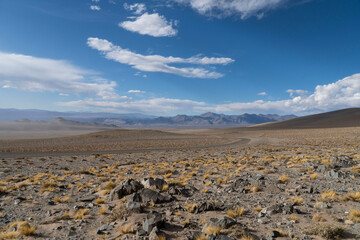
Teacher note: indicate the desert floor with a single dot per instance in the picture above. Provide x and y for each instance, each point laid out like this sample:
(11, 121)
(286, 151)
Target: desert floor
(236, 183)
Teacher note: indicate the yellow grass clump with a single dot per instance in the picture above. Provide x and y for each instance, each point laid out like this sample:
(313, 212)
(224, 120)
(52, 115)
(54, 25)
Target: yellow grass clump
(81, 213)
(102, 210)
(283, 178)
(126, 229)
(297, 200)
(212, 230)
(328, 196)
(235, 212)
(313, 176)
(355, 215)
(99, 201)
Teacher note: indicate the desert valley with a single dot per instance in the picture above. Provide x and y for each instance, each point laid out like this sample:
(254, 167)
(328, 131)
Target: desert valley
(295, 179)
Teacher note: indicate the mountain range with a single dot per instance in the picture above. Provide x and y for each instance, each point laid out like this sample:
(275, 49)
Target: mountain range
(137, 120)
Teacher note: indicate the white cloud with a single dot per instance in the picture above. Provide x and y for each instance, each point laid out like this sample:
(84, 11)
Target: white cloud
(95, 1)
(262, 93)
(136, 91)
(296, 92)
(244, 8)
(63, 94)
(42, 74)
(138, 8)
(344, 93)
(150, 24)
(95, 8)
(153, 106)
(157, 63)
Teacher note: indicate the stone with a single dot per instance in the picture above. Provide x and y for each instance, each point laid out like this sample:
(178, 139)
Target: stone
(125, 188)
(154, 234)
(134, 207)
(88, 198)
(150, 182)
(226, 222)
(152, 220)
(148, 195)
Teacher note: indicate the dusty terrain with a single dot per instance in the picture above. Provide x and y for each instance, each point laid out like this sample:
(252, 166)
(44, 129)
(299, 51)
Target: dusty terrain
(195, 184)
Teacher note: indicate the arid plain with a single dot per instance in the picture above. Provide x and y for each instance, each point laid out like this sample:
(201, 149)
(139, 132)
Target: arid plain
(236, 183)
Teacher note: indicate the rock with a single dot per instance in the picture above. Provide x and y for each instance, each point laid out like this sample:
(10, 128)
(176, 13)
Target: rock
(342, 162)
(186, 191)
(224, 237)
(148, 195)
(141, 232)
(273, 234)
(88, 198)
(125, 188)
(226, 222)
(277, 208)
(334, 174)
(154, 234)
(134, 207)
(150, 182)
(152, 220)
(104, 228)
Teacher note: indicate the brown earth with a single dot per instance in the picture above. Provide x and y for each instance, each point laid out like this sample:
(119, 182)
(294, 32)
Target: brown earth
(306, 180)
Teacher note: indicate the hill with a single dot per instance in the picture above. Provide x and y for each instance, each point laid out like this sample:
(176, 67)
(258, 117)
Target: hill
(349, 117)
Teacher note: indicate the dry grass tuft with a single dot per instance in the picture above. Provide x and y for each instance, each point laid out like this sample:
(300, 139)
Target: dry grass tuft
(328, 196)
(317, 218)
(81, 213)
(99, 201)
(212, 230)
(283, 178)
(235, 212)
(355, 215)
(297, 200)
(102, 210)
(313, 176)
(126, 229)
(326, 231)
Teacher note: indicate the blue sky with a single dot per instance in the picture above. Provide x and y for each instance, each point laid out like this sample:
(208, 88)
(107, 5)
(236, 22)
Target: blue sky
(167, 57)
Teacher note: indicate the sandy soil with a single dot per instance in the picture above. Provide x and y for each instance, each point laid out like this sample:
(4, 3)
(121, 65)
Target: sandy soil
(273, 184)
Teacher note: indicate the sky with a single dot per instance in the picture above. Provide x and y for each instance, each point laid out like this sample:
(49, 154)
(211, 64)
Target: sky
(168, 57)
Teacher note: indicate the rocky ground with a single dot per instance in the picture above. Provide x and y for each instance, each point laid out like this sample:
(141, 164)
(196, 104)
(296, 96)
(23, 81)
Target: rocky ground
(305, 185)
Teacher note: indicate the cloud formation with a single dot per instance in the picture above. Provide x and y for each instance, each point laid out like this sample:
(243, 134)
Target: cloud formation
(95, 8)
(223, 8)
(344, 93)
(136, 91)
(296, 92)
(262, 94)
(153, 106)
(137, 8)
(150, 24)
(157, 63)
(42, 74)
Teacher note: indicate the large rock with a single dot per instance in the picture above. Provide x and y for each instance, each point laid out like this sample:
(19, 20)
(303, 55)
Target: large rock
(134, 207)
(342, 162)
(147, 195)
(153, 220)
(224, 222)
(153, 183)
(125, 188)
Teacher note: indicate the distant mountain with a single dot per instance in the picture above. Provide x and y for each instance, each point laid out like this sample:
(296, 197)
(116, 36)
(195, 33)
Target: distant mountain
(55, 124)
(137, 120)
(206, 120)
(38, 115)
(349, 117)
